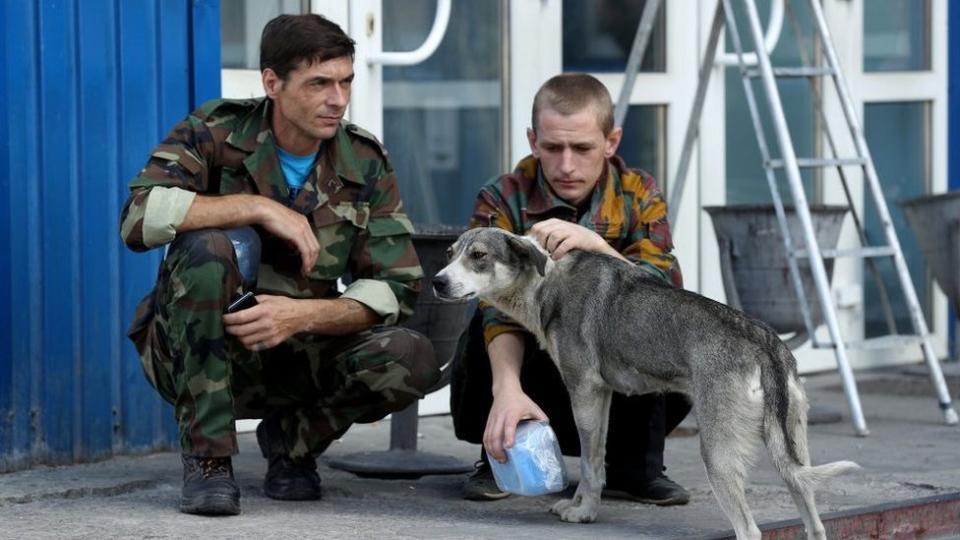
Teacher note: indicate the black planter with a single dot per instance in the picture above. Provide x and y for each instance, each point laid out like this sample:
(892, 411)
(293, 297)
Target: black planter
(754, 266)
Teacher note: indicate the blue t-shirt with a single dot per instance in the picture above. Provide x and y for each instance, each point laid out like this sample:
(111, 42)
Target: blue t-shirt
(295, 168)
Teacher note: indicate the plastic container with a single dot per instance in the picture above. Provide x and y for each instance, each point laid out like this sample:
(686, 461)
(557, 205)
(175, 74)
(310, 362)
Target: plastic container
(534, 464)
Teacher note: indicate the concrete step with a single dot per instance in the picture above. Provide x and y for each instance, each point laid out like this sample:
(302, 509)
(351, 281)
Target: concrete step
(929, 517)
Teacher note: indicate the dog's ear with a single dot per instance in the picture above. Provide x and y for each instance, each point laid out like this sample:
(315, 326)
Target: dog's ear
(528, 252)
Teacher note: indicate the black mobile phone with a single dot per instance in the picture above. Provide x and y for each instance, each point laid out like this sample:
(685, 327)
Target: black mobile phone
(248, 300)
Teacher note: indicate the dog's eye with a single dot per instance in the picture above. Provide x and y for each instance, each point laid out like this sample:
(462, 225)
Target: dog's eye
(449, 253)
(477, 255)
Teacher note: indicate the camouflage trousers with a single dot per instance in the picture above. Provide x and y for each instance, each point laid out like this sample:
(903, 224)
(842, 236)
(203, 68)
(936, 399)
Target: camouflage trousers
(308, 390)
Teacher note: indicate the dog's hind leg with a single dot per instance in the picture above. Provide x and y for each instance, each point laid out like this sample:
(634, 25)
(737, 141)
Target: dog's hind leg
(591, 410)
(800, 490)
(729, 431)
(803, 497)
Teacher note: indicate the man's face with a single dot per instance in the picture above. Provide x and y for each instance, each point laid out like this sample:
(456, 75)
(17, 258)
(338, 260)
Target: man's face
(313, 99)
(572, 150)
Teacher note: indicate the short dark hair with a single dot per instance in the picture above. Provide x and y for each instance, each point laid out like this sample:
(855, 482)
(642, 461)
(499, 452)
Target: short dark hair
(570, 93)
(288, 40)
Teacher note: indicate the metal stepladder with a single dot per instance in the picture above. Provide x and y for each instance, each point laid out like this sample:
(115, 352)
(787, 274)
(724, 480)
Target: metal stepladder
(791, 165)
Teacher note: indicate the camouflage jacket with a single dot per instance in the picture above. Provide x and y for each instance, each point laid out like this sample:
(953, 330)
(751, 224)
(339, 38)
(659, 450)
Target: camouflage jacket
(350, 198)
(626, 209)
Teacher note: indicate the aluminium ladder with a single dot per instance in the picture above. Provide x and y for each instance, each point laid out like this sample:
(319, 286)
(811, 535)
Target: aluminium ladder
(791, 166)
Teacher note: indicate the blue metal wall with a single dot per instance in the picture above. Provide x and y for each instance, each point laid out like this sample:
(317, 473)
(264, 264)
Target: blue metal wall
(87, 88)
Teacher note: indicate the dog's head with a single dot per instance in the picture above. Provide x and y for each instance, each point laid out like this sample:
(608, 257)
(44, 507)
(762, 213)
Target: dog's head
(487, 262)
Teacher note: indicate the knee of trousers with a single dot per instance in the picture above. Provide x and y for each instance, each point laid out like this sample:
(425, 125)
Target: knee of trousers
(414, 351)
(204, 262)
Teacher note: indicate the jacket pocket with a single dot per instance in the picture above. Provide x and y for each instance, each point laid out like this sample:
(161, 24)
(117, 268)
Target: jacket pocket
(336, 227)
(393, 225)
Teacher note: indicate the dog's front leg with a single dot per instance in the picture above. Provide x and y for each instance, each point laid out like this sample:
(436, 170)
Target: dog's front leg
(591, 411)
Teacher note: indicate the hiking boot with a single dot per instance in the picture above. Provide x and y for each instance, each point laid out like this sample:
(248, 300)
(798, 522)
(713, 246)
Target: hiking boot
(209, 487)
(288, 479)
(291, 479)
(660, 491)
(481, 486)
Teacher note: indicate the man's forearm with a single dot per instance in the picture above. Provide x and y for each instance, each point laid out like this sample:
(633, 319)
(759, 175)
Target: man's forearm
(223, 212)
(335, 317)
(506, 359)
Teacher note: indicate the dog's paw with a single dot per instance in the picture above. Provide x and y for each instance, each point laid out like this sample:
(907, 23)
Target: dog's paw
(574, 513)
(560, 506)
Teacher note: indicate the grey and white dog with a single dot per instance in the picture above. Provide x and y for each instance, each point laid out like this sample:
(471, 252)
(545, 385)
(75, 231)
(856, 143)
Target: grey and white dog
(610, 327)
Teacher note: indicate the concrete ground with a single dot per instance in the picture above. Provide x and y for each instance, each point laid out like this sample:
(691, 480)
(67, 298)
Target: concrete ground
(909, 455)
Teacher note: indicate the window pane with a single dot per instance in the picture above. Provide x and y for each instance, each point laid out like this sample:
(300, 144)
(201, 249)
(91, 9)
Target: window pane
(241, 22)
(896, 35)
(598, 36)
(746, 178)
(898, 137)
(643, 144)
(442, 118)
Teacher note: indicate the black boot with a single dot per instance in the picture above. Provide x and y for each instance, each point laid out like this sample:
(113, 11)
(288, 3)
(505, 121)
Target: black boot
(629, 485)
(287, 479)
(209, 487)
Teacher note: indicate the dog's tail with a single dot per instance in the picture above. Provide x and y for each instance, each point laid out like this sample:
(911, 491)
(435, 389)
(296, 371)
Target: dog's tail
(811, 476)
(785, 405)
(785, 422)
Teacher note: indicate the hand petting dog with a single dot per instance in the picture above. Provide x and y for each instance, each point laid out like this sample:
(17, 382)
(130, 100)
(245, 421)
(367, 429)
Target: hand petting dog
(558, 237)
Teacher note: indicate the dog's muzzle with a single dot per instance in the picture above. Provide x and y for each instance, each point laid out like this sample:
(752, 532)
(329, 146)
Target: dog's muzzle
(441, 286)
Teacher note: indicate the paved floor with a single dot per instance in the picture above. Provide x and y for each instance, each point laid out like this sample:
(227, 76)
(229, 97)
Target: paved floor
(909, 455)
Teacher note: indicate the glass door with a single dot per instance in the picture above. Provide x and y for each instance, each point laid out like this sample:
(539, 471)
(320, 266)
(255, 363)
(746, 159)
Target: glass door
(443, 118)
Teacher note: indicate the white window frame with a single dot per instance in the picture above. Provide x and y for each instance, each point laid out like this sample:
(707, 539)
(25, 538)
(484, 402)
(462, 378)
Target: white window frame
(929, 86)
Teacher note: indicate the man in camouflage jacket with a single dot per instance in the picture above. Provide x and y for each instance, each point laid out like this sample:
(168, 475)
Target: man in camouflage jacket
(307, 359)
(574, 192)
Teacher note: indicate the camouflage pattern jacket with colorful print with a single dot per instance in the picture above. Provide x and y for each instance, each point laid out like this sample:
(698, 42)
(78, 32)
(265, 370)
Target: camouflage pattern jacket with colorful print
(626, 209)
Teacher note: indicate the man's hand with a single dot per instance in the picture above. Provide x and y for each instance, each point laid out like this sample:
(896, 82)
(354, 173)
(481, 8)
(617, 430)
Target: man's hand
(293, 228)
(508, 409)
(558, 237)
(269, 323)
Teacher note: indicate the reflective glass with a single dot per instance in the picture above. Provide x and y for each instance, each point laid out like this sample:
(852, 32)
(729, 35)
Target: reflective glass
(746, 178)
(442, 118)
(241, 22)
(896, 35)
(898, 136)
(643, 144)
(598, 36)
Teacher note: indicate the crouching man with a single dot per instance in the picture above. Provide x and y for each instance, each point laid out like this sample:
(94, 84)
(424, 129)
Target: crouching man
(282, 180)
(573, 192)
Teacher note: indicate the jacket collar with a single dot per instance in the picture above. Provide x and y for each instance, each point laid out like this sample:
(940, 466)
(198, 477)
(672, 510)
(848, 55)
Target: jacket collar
(337, 162)
(543, 200)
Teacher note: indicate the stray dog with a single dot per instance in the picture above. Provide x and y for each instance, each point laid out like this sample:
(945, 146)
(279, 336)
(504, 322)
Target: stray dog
(609, 327)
